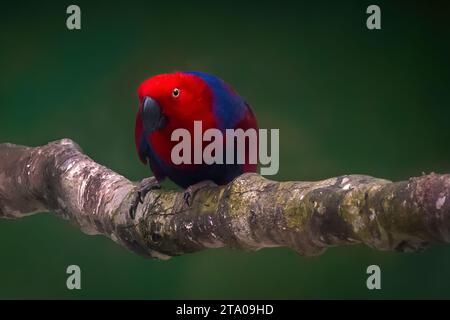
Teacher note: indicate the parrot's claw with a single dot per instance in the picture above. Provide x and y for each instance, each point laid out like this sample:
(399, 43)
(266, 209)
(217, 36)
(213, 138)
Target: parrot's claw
(144, 187)
(190, 192)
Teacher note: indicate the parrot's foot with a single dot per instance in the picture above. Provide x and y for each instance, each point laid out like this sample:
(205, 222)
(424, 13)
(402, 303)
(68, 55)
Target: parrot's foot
(190, 192)
(145, 186)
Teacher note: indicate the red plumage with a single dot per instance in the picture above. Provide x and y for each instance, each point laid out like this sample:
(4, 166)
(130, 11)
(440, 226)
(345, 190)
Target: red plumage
(201, 97)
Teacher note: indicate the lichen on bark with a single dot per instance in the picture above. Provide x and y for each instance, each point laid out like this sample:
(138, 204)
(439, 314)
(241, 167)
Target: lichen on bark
(249, 213)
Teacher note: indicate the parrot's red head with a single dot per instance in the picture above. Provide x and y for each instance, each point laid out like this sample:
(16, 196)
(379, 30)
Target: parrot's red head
(174, 100)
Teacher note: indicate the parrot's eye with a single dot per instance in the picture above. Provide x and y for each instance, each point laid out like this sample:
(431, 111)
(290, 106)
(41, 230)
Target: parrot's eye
(176, 92)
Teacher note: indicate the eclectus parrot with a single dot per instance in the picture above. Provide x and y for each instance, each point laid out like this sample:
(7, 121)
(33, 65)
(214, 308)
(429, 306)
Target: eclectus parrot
(175, 100)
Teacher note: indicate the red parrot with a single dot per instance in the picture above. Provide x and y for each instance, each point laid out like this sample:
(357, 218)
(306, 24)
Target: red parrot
(175, 100)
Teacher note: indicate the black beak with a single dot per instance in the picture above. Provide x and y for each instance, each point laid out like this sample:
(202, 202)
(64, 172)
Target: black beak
(152, 116)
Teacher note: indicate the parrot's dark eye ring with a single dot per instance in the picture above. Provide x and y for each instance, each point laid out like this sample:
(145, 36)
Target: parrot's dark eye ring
(176, 92)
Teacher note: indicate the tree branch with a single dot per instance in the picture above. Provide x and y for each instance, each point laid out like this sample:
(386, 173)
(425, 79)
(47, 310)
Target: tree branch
(249, 213)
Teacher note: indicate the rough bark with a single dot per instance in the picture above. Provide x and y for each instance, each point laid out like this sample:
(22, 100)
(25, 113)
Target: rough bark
(249, 213)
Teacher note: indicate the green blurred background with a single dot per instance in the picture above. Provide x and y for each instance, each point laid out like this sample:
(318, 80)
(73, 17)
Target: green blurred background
(346, 100)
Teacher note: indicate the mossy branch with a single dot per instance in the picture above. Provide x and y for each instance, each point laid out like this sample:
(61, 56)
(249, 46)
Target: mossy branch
(249, 213)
